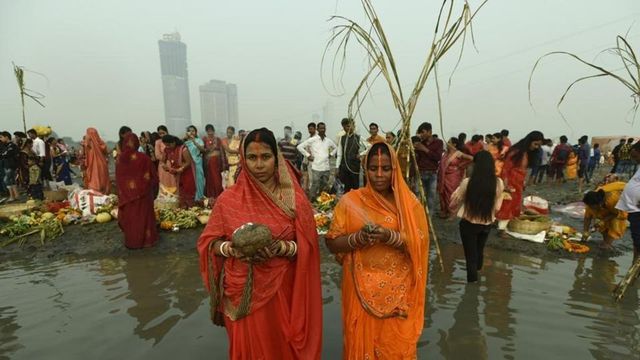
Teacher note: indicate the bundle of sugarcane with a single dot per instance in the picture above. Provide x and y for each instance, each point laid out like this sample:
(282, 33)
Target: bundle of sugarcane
(629, 279)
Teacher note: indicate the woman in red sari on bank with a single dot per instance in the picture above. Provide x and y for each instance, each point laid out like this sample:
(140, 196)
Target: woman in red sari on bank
(450, 174)
(214, 163)
(518, 159)
(177, 162)
(284, 320)
(136, 179)
(96, 176)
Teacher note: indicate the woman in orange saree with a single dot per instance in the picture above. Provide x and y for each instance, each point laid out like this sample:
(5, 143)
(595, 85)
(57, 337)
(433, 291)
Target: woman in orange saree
(379, 235)
(97, 168)
(514, 173)
(136, 179)
(167, 180)
(284, 317)
(498, 150)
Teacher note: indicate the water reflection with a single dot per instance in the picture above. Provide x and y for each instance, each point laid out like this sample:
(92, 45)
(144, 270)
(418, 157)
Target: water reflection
(8, 328)
(498, 281)
(163, 289)
(465, 337)
(612, 329)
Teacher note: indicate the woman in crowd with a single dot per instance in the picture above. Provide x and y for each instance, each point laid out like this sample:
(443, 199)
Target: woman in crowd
(167, 180)
(215, 161)
(26, 151)
(231, 144)
(450, 173)
(476, 202)
(519, 158)
(61, 168)
(284, 319)
(96, 163)
(498, 151)
(601, 208)
(379, 235)
(146, 145)
(124, 130)
(196, 149)
(178, 163)
(136, 179)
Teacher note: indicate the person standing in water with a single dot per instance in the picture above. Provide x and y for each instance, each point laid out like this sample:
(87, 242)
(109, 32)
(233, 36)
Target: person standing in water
(476, 202)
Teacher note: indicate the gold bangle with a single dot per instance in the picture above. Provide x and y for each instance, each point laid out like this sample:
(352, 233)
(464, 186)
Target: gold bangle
(221, 249)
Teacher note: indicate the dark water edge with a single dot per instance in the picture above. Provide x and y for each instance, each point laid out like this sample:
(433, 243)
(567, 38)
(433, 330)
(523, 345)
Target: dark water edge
(150, 305)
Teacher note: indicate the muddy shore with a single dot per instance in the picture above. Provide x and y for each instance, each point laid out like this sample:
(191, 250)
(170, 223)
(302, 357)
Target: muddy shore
(106, 240)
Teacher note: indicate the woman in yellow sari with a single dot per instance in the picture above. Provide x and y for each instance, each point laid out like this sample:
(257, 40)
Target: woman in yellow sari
(601, 206)
(379, 234)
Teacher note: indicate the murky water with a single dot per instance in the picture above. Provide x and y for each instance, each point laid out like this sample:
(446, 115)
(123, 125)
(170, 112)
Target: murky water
(149, 306)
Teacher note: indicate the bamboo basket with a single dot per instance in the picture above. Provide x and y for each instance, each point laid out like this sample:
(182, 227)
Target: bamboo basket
(7, 211)
(526, 225)
(59, 195)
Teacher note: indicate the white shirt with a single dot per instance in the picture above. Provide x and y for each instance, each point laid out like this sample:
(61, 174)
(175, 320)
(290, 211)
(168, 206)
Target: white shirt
(546, 154)
(39, 147)
(320, 149)
(630, 197)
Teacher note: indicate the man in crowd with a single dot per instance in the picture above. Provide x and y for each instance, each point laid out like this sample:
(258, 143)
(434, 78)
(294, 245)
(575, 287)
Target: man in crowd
(306, 170)
(40, 150)
(317, 150)
(630, 202)
(505, 137)
(350, 149)
(288, 149)
(616, 156)
(9, 162)
(428, 154)
(559, 159)
(374, 135)
(626, 165)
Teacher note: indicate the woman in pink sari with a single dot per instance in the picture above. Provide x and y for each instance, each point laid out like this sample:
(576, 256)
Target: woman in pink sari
(96, 163)
(167, 180)
(450, 174)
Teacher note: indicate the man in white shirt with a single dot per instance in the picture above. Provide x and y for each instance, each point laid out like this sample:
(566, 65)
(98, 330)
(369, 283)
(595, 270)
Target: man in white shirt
(547, 150)
(38, 147)
(630, 201)
(318, 149)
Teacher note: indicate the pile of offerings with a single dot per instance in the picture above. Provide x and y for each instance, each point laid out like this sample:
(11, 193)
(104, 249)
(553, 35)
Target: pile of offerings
(323, 211)
(176, 219)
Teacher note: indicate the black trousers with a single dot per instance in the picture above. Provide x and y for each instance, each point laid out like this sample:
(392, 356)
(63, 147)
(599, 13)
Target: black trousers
(350, 180)
(474, 237)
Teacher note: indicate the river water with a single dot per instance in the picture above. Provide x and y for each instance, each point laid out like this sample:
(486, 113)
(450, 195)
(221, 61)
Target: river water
(151, 306)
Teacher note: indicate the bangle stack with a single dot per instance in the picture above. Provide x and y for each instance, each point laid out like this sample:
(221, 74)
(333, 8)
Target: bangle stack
(351, 240)
(394, 239)
(287, 248)
(225, 249)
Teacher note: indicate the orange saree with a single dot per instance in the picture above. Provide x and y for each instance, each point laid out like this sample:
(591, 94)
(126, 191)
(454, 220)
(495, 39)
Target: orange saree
(97, 168)
(383, 288)
(285, 317)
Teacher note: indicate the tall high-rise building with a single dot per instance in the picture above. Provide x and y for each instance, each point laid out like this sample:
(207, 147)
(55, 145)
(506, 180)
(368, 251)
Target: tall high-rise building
(175, 83)
(219, 105)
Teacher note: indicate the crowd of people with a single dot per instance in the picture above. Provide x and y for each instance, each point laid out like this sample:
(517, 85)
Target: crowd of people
(379, 231)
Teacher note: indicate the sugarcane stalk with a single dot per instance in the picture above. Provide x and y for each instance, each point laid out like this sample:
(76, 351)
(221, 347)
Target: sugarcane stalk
(629, 278)
(14, 239)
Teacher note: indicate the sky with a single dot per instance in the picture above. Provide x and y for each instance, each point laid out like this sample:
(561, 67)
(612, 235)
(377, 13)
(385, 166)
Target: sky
(102, 65)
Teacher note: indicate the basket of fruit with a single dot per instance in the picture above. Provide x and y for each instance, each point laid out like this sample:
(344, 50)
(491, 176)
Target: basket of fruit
(529, 224)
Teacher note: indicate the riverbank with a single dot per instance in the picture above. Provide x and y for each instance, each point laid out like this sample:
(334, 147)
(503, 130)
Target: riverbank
(106, 240)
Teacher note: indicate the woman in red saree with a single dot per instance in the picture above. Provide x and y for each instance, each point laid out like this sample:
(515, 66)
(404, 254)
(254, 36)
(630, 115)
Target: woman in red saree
(514, 172)
(284, 320)
(96, 164)
(214, 163)
(384, 264)
(177, 161)
(136, 179)
(450, 174)
(498, 151)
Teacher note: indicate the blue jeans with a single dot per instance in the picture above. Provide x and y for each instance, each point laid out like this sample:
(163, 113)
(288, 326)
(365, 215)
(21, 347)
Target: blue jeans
(429, 183)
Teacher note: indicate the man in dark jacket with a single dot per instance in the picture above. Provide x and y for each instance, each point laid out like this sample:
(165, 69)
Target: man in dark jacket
(9, 161)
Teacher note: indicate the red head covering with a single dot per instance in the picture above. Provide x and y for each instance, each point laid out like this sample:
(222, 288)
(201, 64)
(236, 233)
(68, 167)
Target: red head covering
(290, 217)
(97, 173)
(135, 173)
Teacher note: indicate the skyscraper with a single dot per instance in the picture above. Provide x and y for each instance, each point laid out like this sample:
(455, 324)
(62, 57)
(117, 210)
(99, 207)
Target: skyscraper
(175, 83)
(219, 105)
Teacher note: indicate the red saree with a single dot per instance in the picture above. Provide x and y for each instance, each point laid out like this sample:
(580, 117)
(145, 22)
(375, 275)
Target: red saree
(215, 166)
(97, 169)
(450, 174)
(285, 317)
(514, 176)
(186, 180)
(136, 179)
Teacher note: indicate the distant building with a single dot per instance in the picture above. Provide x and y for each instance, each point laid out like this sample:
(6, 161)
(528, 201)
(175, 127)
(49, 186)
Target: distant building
(175, 83)
(219, 105)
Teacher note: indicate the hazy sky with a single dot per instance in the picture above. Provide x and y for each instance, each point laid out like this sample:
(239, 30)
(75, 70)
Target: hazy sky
(102, 63)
